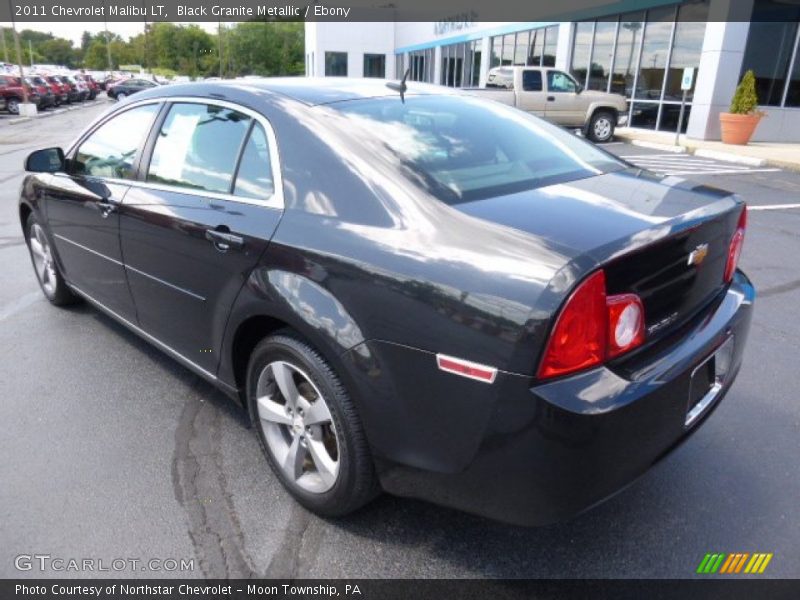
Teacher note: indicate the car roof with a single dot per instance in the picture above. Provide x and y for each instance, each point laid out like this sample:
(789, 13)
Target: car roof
(308, 90)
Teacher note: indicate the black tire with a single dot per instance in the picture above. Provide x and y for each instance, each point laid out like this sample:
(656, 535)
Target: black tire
(356, 482)
(601, 126)
(58, 294)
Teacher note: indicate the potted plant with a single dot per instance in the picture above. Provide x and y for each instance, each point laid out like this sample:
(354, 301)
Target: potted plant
(739, 124)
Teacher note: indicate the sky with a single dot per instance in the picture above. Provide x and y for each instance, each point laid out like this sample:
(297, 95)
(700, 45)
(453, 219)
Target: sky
(73, 31)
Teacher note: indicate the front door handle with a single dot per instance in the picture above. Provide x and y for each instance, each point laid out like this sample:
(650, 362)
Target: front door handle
(106, 208)
(551, 98)
(224, 240)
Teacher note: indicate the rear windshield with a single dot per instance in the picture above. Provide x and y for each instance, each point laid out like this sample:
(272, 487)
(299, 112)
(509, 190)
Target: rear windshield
(469, 149)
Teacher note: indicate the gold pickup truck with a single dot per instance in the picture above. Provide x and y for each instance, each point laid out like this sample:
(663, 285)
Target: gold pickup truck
(556, 96)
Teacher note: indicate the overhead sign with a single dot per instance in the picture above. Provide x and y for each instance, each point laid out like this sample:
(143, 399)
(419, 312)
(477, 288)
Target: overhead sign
(688, 78)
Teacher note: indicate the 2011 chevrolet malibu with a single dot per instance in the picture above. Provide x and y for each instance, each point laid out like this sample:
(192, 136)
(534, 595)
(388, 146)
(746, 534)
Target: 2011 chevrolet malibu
(407, 288)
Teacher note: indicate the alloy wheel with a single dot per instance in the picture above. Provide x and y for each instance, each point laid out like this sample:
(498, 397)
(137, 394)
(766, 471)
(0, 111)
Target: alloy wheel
(13, 107)
(43, 259)
(298, 427)
(602, 128)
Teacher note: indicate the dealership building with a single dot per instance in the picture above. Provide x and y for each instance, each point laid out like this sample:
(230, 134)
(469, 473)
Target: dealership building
(639, 53)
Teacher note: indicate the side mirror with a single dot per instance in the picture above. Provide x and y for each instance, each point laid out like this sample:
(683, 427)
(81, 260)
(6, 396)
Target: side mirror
(579, 89)
(49, 160)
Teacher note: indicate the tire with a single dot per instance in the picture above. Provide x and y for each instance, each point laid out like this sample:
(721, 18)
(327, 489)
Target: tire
(333, 438)
(12, 106)
(601, 126)
(51, 281)
(121, 96)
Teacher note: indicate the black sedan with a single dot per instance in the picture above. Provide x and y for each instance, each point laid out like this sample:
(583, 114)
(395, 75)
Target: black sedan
(123, 89)
(419, 292)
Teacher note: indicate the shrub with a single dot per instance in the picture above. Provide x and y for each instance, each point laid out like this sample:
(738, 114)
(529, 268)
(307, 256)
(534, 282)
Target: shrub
(745, 100)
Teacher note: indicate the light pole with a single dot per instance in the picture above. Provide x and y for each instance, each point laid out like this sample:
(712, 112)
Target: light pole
(5, 48)
(108, 38)
(19, 54)
(219, 38)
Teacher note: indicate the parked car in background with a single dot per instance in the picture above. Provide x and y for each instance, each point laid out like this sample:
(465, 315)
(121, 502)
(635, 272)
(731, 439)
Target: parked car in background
(91, 86)
(46, 95)
(420, 292)
(59, 90)
(11, 89)
(78, 90)
(123, 89)
(556, 96)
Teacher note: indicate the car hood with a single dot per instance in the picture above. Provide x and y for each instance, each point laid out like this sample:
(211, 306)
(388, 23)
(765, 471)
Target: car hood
(604, 214)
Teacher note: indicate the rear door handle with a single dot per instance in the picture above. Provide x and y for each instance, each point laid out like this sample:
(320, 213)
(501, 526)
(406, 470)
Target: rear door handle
(224, 240)
(551, 98)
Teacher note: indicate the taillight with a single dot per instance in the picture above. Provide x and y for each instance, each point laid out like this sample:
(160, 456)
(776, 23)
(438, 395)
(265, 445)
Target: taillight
(735, 248)
(592, 328)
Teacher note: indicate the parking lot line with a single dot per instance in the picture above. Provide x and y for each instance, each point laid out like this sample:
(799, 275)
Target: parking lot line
(772, 206)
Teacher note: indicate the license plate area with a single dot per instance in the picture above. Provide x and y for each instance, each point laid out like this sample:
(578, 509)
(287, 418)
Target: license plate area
(707, 380)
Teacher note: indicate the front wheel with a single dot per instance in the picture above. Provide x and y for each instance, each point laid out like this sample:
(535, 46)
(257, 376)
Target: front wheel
(50, 280)
(121, 96)
(601, 126)
(13, 106)
(308, 427)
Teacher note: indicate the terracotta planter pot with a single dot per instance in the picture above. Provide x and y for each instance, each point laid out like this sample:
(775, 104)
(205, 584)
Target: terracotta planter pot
(738, 129)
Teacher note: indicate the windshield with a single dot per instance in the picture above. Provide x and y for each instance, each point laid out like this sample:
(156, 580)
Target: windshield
(468, 149)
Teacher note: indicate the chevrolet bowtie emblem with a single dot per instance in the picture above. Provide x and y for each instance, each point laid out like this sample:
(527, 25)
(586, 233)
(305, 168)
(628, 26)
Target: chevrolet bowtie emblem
(698, 255)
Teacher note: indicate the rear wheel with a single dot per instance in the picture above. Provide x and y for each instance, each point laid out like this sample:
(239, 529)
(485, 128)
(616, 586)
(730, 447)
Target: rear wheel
(601, 126)
(50, 280)
(308, 427)
(121, 95)
(13, 106)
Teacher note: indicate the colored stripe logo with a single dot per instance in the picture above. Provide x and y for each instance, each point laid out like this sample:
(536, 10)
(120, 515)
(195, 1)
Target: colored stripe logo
(737, 562)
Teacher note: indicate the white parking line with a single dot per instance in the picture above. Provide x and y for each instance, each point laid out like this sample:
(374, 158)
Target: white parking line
(772, 206)
(670, 164)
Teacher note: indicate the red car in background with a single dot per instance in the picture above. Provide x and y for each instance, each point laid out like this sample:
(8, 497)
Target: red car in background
(78, 92)
(11, 90)
(91, 85)
(59, 89)
(41, 86)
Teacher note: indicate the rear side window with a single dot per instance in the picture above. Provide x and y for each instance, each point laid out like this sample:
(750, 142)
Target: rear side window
(254, 179)
(111, 149)
(198, 146)
(532, 81)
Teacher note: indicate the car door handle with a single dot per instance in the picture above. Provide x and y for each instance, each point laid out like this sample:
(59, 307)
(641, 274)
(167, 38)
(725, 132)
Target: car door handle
(551, 98)
(106, 208)
(224, 240)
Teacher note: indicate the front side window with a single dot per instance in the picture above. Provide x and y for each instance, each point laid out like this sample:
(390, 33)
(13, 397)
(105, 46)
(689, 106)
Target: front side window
(461, 149)
(111, 149)
(198, 146)
(558, 81)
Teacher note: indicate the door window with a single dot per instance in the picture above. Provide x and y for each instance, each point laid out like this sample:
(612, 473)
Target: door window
(532, 81)
(198, 146)
(254, 178)
(111, 149)
(558, 81)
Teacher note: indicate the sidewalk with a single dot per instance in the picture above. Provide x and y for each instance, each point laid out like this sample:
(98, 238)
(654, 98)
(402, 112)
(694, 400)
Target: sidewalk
(755, 154)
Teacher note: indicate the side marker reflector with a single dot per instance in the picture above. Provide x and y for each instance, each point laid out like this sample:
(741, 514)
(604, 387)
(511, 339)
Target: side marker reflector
(466, 368)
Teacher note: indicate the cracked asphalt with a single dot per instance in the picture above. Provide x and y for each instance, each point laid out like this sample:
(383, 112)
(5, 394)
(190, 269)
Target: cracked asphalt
(112, 450)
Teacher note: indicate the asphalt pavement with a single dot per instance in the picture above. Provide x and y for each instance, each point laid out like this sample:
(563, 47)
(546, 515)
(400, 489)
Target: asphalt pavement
(112, 450)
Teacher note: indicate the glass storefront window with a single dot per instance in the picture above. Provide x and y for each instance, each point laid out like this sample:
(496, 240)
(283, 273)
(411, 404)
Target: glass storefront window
(521, 48)
(689, 33)
(655, 48)
(602, 51)
(581, 50)
(336, 64)
(768, 52)
(508, 49)
(550, 45)
(535, 48)
(793, 93)
(375, 65)
(626, 57)
(497, 51)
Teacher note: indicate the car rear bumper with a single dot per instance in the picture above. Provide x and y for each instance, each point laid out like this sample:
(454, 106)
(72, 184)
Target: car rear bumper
(549, 451)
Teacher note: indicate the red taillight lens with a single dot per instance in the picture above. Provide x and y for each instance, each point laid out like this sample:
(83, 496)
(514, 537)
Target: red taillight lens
(625, 323)
(592, 328)
(578, 340)
(735, 249)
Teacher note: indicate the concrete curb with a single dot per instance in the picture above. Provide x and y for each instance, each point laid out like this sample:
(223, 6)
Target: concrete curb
(51, 113)
(750, 161)
(657, 146)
